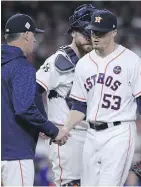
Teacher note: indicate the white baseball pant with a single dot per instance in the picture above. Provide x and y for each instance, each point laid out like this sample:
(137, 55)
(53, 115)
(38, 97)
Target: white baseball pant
(17, 173)
(107, 155)
(67, 159)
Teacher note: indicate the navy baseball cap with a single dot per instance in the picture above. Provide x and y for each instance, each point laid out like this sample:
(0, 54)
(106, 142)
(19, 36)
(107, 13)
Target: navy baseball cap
(102, 21)
(21, 23)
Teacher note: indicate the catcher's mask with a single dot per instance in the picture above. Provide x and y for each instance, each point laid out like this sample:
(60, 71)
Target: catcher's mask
(81, 19)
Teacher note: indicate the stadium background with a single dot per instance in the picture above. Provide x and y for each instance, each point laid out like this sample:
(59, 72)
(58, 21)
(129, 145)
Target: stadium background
(52, 16)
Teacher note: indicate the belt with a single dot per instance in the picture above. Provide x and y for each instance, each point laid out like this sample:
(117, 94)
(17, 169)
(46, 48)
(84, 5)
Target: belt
(103, 126)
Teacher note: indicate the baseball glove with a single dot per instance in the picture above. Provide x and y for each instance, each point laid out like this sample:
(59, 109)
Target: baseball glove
(137, 169)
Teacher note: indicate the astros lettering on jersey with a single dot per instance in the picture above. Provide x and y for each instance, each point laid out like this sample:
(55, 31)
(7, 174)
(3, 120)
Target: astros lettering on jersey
(101, 83)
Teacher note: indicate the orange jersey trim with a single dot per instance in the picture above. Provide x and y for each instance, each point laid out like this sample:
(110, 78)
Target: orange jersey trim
(105, 73)
(138, 94)
(77, 98)
(42, 84)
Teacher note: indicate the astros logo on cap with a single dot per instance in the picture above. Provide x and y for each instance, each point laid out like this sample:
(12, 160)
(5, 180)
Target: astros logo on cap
(98, 19)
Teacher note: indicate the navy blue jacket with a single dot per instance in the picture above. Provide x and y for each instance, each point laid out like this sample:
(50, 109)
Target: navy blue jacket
(21, 121)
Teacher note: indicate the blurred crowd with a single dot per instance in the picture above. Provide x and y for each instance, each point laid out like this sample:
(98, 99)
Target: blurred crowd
(52, 16)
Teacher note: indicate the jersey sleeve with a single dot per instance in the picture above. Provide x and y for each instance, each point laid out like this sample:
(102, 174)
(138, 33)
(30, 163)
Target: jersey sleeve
(78, 91)
(47, 76)
(136, 79)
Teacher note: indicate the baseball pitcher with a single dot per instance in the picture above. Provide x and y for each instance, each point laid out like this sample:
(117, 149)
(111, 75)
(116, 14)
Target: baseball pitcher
(107, 86)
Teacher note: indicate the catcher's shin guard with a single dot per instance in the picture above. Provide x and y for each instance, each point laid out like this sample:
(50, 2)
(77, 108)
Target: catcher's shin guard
(137, 169)
(74, 183)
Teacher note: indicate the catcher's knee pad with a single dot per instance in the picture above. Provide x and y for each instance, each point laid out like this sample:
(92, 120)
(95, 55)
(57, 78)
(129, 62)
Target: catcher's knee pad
(137, 169)
(73, 183)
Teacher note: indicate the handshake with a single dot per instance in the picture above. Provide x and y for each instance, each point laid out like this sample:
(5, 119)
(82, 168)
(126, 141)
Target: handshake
(61, 138)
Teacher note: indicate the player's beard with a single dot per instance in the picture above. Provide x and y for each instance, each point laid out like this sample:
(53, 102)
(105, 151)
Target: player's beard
(83, 48)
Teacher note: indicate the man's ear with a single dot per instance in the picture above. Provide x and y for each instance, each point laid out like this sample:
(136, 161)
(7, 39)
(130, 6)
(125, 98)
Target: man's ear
(73, 34)
(115, 32)
(25, 35)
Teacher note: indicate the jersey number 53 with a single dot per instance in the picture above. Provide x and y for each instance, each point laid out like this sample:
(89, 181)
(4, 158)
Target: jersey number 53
(112, 102)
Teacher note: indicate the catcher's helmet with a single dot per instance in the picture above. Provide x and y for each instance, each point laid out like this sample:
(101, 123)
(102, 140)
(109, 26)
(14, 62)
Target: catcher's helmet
(81, 18)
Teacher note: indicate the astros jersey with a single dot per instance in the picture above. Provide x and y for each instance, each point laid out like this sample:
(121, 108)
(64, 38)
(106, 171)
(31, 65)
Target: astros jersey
(51, 79)
(109, 85)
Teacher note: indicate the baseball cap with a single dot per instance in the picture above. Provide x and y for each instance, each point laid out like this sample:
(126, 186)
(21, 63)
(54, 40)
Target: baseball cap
(20, 23)
(102, 21)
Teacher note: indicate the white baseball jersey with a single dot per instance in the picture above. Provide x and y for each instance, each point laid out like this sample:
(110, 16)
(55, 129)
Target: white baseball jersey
(67, 159)
(109, 85)
(50, 78)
